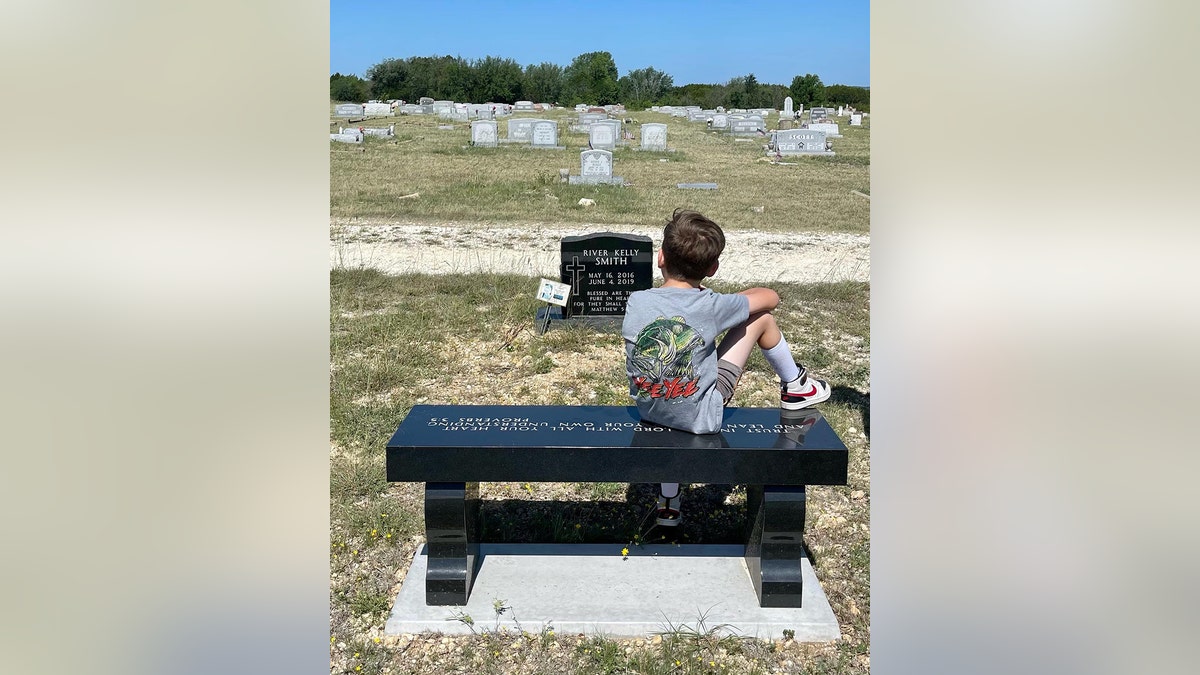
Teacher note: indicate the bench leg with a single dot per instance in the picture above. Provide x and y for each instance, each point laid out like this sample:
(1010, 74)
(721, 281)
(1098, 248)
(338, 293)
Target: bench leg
(775, 543)
(452, 533)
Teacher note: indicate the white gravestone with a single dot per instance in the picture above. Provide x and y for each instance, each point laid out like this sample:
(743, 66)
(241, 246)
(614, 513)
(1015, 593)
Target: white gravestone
(377, 131)
(595, 167)
(346, 138)
(830, 128)
(856, 120)
(378, 109)
(544, 134)
(483, 133)
(654, 136)
(348, 110)
(788, 112)
(601, 137)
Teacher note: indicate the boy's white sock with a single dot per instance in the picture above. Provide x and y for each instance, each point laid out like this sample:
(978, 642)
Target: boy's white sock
(780, 358)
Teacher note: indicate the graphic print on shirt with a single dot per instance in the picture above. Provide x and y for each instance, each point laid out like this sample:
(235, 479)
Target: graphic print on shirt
(663, 359)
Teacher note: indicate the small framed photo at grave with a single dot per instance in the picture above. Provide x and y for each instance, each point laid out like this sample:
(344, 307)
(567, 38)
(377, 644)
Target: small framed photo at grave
(554, 292)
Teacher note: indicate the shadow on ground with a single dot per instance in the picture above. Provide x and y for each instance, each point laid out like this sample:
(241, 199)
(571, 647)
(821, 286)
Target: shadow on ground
(857, 399)
(707, 518)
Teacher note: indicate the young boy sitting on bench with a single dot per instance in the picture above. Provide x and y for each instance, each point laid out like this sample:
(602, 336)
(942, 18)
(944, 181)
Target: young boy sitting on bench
(680, 376)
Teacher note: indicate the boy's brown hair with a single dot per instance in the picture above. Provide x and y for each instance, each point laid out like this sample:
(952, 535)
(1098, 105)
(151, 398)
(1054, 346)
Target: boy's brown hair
(691, 244)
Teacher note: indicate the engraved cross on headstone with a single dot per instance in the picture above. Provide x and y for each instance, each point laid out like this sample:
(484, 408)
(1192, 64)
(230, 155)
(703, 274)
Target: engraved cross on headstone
(576, 269)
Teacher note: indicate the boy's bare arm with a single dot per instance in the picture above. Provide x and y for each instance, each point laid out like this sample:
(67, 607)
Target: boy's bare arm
(761, 299)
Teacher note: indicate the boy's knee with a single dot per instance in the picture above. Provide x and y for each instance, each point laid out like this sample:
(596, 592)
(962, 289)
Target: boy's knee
(764, 318)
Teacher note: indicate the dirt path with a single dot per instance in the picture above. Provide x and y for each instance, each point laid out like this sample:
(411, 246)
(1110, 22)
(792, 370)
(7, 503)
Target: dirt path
(451, 248)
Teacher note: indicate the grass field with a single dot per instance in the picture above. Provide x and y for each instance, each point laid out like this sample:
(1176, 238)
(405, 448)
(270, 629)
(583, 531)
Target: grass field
(515, 184)
(396, 341)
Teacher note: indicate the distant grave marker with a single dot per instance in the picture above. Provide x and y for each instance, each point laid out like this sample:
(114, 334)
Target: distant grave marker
(601, 137)
(830, 128)
(654, 136)
(483, 133)
(520, 129)
(544, 134)
(801, 142)
(595, 168)
(378, 109)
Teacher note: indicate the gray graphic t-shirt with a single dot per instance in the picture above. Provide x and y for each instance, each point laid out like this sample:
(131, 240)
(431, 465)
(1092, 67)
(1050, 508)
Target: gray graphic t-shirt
(671, 354)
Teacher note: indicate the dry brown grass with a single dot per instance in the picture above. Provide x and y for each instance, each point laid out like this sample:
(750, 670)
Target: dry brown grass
(515, 184)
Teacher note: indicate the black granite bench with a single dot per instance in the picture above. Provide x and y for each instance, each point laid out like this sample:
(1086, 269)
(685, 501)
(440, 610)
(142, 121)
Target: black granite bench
(451, 448)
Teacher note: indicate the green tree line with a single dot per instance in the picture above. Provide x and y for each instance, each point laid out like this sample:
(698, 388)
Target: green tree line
(589, 78)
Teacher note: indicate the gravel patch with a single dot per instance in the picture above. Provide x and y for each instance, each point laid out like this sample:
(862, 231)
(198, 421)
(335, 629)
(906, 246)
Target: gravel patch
(533, 250)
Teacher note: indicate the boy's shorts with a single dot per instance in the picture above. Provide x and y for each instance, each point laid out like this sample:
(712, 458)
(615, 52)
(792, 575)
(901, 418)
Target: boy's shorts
(727, 378)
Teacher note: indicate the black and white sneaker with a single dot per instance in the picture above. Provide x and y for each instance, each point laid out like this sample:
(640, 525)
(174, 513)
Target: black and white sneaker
(803, 392)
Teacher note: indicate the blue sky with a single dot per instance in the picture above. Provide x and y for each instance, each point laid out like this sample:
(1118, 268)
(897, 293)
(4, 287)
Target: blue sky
(695, 42)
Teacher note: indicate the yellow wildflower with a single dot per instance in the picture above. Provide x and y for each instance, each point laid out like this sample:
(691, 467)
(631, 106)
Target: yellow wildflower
(625, 551)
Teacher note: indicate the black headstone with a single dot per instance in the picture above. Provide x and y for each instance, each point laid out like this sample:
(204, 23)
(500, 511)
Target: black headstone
(603, 269)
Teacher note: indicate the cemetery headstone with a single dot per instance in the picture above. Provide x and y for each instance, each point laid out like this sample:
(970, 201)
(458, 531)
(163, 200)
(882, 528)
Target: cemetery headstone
(603, 269)
(856, 120)
(720, 121)
(520, 129)
(346, 138)
(483, 133)
(817, 114)
(601, 137)
(544, 134)
(425, 100)
(595, 168)
(378, 109)
(348, 110)
(746, 126)
(616, 127)
(830, 128)
(380, 131)
(801, 142)
(788, 111)
(523, 106)
(654, 136)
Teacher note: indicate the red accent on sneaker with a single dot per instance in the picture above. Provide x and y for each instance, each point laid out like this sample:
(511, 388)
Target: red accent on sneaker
(810, 392)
